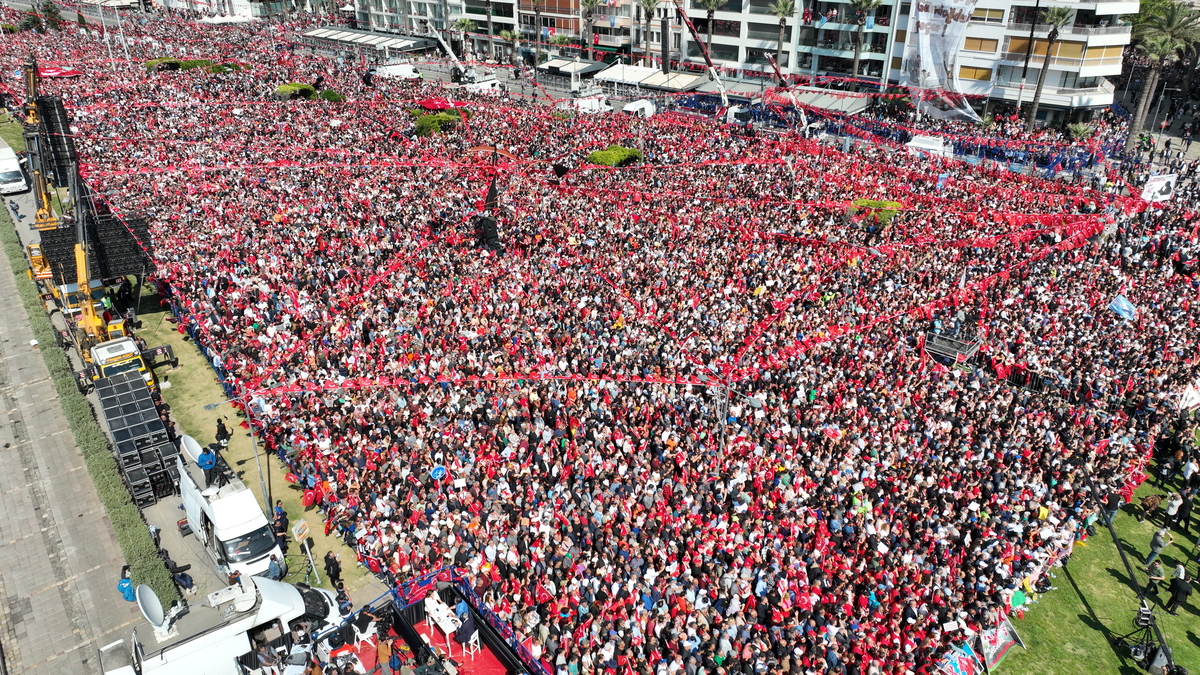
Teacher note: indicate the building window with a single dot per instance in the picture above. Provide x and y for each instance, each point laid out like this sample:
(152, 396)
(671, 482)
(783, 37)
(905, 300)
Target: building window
(988, 15)
(719, 51)
(760, 56)
(897, 62)
(720, 27)
(766, 31)
(973, 44)
(973, 73)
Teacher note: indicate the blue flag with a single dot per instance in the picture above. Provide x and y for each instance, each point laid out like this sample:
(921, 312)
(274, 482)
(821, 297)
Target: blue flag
(1124, 308)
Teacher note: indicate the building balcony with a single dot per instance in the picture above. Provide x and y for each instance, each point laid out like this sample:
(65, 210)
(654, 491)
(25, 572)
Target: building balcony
(1062, 97)
(611, 21)
(1023, 28)
(1061, 62)
(612, 40)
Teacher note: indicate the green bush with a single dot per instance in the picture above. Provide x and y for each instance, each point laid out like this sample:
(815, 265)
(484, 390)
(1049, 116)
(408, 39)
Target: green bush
(8, 28)
(332, 96)
(881, 211)
(296, 90)
(195, 63)
(132, 534)
(615, 155)
(436, 123)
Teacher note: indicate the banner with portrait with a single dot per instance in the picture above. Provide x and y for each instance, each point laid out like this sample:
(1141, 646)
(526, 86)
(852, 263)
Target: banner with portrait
(931, 58)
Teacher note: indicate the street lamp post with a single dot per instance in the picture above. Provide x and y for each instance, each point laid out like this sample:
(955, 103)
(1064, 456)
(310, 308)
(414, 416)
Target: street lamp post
(723, 403)
(262, 482)
(1158, 109)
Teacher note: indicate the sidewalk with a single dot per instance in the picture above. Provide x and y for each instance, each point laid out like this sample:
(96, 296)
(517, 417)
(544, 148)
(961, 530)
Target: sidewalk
(59, 558)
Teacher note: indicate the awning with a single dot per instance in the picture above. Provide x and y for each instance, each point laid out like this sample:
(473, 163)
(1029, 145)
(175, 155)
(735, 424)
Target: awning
(365, 39)
(569, 66)
(623, 74)
(674, 81)
(839, 101)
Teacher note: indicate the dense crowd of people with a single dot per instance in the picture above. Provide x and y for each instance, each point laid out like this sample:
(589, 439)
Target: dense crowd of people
(688, 414)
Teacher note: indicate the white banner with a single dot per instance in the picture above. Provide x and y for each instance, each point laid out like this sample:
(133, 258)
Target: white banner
(1160, 188)
(931, 58)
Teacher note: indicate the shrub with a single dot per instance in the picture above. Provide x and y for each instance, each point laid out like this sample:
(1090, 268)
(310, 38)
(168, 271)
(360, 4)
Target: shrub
(881, 211)
(132, 534)
(8, 28)
(332, 96)
(436, 123)
(294, 90)
(616, 156)
(194, 63)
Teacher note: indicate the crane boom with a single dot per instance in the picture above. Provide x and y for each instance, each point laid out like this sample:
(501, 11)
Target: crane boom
(712, 68)
(44, 214)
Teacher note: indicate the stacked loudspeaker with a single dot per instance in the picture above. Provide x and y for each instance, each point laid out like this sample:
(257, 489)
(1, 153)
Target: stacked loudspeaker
(486, 232)
(143, 446)
(60, 142)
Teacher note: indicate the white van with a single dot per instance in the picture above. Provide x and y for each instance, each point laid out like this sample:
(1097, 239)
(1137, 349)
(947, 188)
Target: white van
(12, 174)
(401, 71)
(218, 636)
(640, 108)
(226, 518)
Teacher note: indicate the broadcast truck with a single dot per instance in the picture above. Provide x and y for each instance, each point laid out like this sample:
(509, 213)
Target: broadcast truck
(218, 635)
(225, 516)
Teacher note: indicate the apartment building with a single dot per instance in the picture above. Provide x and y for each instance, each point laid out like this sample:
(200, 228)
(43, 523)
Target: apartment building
(820, 40)
(1002, 34)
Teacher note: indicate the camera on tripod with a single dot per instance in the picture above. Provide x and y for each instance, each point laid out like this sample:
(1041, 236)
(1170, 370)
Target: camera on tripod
(1144, 647)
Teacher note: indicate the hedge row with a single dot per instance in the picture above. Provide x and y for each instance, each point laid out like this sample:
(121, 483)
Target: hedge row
(882, 211)
(615, 155)
(189, 64)
(132, 532)
(296, 90)
(440, 122)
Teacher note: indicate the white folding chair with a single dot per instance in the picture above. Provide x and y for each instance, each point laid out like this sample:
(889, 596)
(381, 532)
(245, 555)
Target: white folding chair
(471, 647)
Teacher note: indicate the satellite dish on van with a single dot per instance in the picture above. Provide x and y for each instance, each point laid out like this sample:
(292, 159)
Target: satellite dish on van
(151, 607)
(190, 447)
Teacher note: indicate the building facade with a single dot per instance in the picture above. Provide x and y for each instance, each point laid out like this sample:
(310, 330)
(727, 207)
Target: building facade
(1089, 48)
(820, 40)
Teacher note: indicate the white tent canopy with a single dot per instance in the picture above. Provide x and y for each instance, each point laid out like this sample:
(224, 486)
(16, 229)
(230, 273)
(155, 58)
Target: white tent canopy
(623, 74)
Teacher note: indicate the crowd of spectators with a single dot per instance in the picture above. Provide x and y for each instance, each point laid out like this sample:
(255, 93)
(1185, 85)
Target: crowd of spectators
(688, 417)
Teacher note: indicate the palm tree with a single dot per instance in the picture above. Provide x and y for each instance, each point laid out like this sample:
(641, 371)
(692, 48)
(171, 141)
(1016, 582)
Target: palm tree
(782, 9)
(487, 6)
(1055, 17)
(1160, 37)
(589, 8)
(648, 8)
(710, 7)
(860, 9)
(513, 39)
(466, 27)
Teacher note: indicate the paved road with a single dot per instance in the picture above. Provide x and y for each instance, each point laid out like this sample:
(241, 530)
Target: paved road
(59, 558)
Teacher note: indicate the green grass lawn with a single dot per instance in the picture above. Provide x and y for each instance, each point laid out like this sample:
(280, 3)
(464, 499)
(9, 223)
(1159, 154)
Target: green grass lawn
(193, 385)
(11, 132)
(1070, 629)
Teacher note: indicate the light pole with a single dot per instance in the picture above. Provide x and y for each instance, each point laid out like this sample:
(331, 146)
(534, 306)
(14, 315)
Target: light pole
(723, 404)
(1158, 109)
(262, 482)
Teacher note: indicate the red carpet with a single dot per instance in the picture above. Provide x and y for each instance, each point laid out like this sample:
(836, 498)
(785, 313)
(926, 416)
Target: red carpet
(483, 663)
